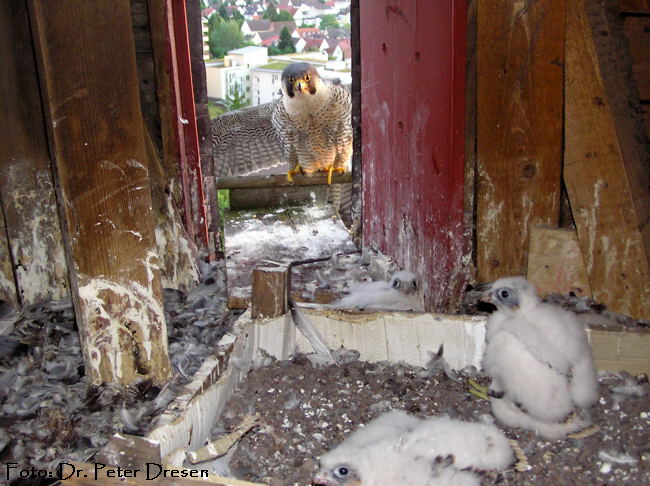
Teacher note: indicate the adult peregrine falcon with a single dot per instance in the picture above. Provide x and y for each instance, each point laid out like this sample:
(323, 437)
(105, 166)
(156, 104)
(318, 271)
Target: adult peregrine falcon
(309, 129)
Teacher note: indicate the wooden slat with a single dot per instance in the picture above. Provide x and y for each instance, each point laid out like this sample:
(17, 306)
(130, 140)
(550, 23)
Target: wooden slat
(637, 31)
(26, 186)
(604, 167)
(252, 182)
(520, 94)
(555, 263)
(88, 76)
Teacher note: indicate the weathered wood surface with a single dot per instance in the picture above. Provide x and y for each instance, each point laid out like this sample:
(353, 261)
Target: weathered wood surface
(26, 187)
(605, 166)
(555, 263)
(278, 235)
(280, 180)
(413, 121)
(635, 6)
(7, 281)
(276, 197)
(520, 96)
(270, 286)
(97, 140)
(637, 31)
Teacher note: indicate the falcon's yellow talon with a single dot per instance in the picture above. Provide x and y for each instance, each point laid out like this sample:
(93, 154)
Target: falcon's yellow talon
(291, 172)
(330, 170)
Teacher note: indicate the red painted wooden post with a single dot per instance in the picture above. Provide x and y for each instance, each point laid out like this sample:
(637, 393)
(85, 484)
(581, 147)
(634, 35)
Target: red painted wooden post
(412, 117)
(188, 141)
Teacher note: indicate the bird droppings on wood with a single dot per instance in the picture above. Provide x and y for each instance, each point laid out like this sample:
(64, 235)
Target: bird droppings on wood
(50, 413)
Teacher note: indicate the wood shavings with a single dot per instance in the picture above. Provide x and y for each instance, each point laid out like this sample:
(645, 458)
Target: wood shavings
(522, 464)
(581, 434)
(220, 446)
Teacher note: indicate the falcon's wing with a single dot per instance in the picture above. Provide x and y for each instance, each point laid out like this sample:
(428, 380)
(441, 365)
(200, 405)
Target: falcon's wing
(244, 142)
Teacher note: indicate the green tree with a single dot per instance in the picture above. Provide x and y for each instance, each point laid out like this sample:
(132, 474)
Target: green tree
(225, 36)
(327, 21)
(271, 13)
(223, 12)
(283, 16)
(236, 97)
(285, 45)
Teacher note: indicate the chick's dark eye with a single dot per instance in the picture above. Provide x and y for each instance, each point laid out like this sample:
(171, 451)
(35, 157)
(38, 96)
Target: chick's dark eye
(341, 472)
(504, 294)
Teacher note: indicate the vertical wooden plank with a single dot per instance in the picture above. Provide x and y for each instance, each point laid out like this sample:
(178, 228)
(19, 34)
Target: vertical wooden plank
(471, 161)
(412, 119)
(356, 215)
(88, 75)
(203, 126)
(637, 31)
(26, 186)
(187, 125)
(605, 165)
(555, 262)
(7, 282)
(520, 96)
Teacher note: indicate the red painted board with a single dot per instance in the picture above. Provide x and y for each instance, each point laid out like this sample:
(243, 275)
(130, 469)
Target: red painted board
(188, 141)
(412, 124)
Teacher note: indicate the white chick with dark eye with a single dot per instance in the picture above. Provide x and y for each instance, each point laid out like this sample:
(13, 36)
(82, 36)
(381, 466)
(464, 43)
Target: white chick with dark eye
(399, 449)
(398, 294)
(540, 362)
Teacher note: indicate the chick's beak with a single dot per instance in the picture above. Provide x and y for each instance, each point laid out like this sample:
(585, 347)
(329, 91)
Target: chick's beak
(324, 480)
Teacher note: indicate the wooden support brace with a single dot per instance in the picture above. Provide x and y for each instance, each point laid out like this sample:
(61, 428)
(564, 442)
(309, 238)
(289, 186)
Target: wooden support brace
(89, 82)
(270, 287)
(519, 129)
(605, 165)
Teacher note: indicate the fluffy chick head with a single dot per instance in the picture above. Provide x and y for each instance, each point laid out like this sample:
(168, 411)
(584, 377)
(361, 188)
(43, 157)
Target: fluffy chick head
(404, 281)
(513, 295)
(340, 475)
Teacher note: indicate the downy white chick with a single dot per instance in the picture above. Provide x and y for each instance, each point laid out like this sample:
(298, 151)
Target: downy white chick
(540, 362)
(400, 449)
(400, 294)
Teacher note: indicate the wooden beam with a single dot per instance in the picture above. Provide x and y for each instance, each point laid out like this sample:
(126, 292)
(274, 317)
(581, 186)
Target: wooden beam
(255, 182)
(520, 95)
(636, 6)
(270, 287)
(88, 77)
(605, 165)
(26, 185)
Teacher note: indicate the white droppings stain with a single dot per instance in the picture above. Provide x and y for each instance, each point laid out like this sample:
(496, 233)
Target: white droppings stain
(527, 205)
(137, 234)
(135, 163)
(179, 266)
(132, 303)
(591, 223)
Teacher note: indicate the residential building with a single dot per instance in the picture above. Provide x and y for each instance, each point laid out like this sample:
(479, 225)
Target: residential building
(235, 71)
(266, 85)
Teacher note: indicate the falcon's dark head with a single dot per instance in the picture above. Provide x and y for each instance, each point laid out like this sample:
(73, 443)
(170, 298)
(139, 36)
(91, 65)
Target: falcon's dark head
(300, 77)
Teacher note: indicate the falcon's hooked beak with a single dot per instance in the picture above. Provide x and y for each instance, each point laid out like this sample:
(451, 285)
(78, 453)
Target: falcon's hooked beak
(301, 86)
